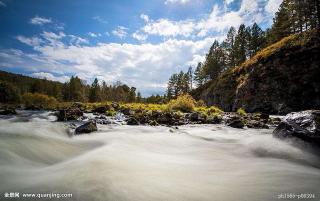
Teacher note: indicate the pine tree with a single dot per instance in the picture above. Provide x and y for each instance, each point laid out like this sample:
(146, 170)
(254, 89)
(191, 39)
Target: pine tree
(240, 45)
(198, 75)
(229, 45)
(257, 40)
(95, 94)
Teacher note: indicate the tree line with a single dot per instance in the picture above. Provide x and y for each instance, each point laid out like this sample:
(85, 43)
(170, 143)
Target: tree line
(293, 16)
(13, 87)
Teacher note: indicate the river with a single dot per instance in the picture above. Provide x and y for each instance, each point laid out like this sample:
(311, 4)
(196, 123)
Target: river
(143, 163)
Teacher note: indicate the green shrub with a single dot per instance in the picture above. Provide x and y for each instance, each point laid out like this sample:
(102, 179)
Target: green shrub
(39, 100)
(241, 112)
(213, 110)
(200, 103)
(184, 103)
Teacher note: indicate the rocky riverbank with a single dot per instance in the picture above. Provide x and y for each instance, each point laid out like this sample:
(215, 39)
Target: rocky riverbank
(168, 118)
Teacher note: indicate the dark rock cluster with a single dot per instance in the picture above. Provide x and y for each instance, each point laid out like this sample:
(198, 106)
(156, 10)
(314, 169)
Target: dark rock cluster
(303, 125)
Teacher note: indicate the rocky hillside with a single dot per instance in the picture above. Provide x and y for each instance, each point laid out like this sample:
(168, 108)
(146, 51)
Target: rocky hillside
(281, 78)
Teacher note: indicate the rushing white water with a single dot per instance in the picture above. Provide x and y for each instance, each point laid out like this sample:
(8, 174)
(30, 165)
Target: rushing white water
(142, 163)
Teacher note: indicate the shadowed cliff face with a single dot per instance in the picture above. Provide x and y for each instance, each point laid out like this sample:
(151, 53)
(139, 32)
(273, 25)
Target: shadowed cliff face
(284, 77)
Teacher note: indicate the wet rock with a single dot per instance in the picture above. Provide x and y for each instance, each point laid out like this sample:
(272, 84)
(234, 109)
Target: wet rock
(32, 107)
(132, 121)
(69, 114)
(214, 120)
(101, 109)
(197, 117)
(127, 111)
(115, 105)
(237, 123)
(8, 111)
(264, 116)
(274, 121)
(304, 125)
(88, 127)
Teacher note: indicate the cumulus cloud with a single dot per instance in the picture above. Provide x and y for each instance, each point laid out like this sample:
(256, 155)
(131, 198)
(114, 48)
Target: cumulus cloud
(120, 31)
(164, 27)
(40, 20)
(146, 66)
(219, 20)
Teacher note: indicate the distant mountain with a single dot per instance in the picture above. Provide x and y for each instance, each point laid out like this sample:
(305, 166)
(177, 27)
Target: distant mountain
(281, 78)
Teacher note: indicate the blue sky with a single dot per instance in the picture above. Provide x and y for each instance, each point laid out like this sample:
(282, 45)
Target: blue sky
(140, 43)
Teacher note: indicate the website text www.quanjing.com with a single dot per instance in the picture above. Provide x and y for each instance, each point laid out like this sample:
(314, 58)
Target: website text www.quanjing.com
(38, 195)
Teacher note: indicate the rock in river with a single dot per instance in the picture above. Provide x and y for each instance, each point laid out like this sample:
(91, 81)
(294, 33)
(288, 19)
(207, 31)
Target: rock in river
(304, 125)
(88, 127)
(8, 111)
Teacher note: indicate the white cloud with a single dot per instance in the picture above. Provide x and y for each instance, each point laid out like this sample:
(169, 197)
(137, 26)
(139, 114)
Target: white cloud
(40, 20)
(3, 4)
(120, 31)
(176, 1)
(228, 1)
(49, 76)
(139, 36)
(34, 41)
(77, 41)
(273, 6)
(164, 27)
(94, 35)
(146, 66)
(144, 17)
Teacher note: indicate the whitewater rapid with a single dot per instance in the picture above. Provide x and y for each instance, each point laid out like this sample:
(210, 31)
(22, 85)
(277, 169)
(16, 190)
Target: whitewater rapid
(143, 163)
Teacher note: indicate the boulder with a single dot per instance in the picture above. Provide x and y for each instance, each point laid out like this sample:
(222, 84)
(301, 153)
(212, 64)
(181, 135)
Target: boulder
(256, 124)
(132, 121)
(69, 114)
(304, 125)
(214, 120)
(197, 117)
(8, 111)
(237, 123)
(101, 109)
(115, 105)
(88, 127)
(127, 111)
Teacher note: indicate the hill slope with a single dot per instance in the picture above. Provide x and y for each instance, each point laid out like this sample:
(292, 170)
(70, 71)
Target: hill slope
(281, 78)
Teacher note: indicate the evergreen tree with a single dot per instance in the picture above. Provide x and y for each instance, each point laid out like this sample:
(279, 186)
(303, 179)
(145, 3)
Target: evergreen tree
(240, 45)
(229, 47)
(94, 94)
(198, 75)
(257, 40)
